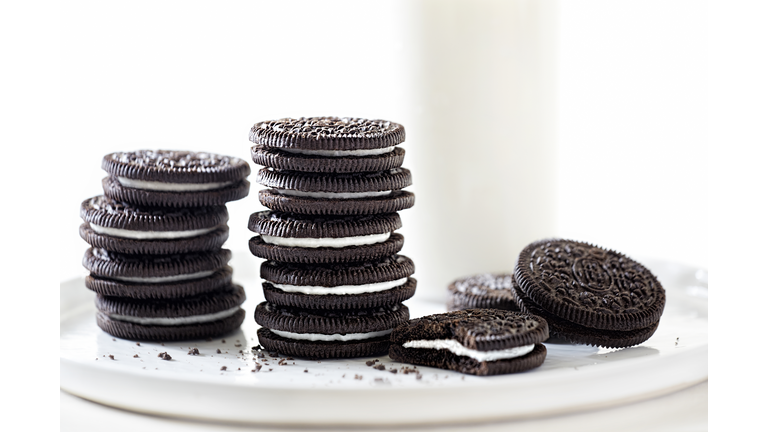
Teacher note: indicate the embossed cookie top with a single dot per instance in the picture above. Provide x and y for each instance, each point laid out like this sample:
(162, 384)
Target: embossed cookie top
(478, 329)
(592, 286)
(176, 166)
(327, 133)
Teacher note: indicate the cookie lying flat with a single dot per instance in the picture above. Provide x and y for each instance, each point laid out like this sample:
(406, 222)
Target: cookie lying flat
(336, 194)
(128, 228)
(473, 341)
(333, 161)
(321, 240)
(327, 334)
(165, 275)
(339, 286)
(167, 178)
(206, 315)
(588, 294)
(492, 291)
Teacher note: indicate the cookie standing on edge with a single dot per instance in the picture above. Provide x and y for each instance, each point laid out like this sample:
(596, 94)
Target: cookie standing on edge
(328, 334)
(473, 341)
(486, 290)
(169, 178)
(588, 294)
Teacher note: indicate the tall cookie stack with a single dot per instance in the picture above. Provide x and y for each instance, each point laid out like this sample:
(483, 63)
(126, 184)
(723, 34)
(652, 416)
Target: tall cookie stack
(333, 280)
(156, 261)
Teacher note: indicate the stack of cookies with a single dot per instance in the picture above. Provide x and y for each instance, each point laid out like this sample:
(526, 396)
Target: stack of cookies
(333, 280)
(156, 261)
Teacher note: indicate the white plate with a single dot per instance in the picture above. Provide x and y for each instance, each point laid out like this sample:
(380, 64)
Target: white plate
(572, 378)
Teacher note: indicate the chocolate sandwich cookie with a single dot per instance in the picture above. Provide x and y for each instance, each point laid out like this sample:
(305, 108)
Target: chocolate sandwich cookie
(149, 290)
(339, 286)
(205, 315)
(588, 294)
(134, 229)
(167, 178)
(321, 240)
(170, 274)
(336, 194)
(492, 291)
(473, 341)
(327, 334)
(328, 161)
(327, 133)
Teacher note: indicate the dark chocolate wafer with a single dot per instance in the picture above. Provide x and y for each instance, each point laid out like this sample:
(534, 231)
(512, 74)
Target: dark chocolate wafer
(154, 268)
(484, 290)
(327, 133)
(184, 288)
(473, 341)
(332, 162)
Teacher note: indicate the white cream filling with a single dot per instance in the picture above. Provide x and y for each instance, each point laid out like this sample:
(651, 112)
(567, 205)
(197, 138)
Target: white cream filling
(339, 242)
(194, 319)
(315, 337)
(174, 187)
(332, 195)
(160, 279)
(341, 289)
(459, 349)
(149, 235)
(340, 153)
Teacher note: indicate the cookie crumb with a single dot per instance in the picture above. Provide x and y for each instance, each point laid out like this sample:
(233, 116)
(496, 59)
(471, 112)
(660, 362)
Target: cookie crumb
(238, 345)
(162, 344)
(257, 367)
(223, 341)
(111, 356)
(223, 368)
(358, 377)
(218, 351)
(370, 363)
(379, 367)
(194, 351)
(241, 351)
(164, 356)
(135, 356)
(305, 370)
(113, 339)
(394, 371)
(138, 344)
(270, 369)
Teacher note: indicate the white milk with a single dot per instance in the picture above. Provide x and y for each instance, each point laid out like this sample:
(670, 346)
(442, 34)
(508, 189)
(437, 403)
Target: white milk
(481, 137)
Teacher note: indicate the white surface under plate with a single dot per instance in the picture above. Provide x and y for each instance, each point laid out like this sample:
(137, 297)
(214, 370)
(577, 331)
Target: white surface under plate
(348, 392)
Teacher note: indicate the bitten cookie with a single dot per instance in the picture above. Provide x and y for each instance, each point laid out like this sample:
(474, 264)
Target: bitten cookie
(492, 291)
(588, 294)
(133, 229)
(167, 178)
(473, 341)
(339, 286)
(328, 334)
(321, 240)
(205, 315)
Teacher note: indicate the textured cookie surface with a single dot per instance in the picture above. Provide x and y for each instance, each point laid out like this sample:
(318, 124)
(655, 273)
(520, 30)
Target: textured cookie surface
(334, 301)
(390, 203)
(329, 322)
(285, 160)
(280, 224)
(327, 133)
(483, 291)
(113, 265)
(164, 198)
(127, 330)
(326, 255)
(175, 166)
(385, 269)
(589, 286)
(207, 303)
(322, 350)
(481, 330)
(394, 179)
(184, 288)
(127, 228)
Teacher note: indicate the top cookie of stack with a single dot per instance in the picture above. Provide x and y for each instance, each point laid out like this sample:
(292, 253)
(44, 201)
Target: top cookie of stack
(331, 166)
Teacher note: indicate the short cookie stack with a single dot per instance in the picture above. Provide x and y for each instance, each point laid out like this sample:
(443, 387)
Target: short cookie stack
(156, 261)
(333, 280)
